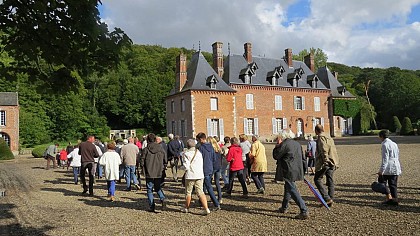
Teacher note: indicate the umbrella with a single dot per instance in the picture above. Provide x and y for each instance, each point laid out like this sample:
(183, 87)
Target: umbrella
(316, 194)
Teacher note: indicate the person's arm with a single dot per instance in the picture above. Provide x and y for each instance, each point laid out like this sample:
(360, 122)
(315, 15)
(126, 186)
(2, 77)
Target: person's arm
(385, 159)
(186, 161)
(253, 151)
(102, 161)
(229, 156)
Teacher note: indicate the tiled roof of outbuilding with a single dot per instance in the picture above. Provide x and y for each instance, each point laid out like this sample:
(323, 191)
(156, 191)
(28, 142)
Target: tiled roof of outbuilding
(8, 99)
(332, 83)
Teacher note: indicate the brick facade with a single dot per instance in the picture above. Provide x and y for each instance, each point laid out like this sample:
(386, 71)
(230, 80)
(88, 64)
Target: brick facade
(9, 126)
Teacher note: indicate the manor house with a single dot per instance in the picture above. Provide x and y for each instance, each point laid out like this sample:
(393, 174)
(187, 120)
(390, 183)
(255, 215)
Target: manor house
(9, 120)
(253, 95)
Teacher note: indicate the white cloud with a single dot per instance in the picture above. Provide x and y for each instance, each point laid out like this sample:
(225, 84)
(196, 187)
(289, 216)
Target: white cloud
(361, 33)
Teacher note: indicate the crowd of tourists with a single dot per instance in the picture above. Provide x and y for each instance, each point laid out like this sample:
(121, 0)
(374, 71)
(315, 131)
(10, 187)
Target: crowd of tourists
(210, 166)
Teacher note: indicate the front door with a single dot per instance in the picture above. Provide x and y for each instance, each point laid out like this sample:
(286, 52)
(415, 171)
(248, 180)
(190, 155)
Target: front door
(299, 128)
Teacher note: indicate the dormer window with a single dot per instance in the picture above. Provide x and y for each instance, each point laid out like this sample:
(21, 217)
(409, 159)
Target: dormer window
(274, 77)
(341, 90)
(295, 83)
(247, 73)
(313, 81)
(247, 79)
(300, 71)
(293, 79)
(211, 81)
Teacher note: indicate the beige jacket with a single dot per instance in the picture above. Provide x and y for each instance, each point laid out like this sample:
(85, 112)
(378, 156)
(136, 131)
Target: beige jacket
(258, 158)
(326, 154)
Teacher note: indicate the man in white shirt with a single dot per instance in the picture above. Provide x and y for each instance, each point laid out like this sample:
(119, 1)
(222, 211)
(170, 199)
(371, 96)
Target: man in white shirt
(390, 167)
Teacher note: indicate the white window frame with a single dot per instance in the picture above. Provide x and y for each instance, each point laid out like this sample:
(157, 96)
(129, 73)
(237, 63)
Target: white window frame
(278, 125)
(249, 101)
(172, 106)
(299, 105)
(182, 105)
(247, 79)
(2, 118)
(6, 138)
(214, 104)
(278, 103)
(212, 85)
(317, 104)
(251, 126)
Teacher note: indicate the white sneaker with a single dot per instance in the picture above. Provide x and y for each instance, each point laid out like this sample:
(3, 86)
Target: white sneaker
(184, 210)
(206, 211)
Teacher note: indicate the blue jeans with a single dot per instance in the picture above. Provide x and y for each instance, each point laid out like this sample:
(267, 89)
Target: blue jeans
(154, 184)
(111, 187)
(216, 175)
(209, 187)
(130, 174)
(100, 170)
(241, 178)
(225, 174)
(329, 174)
(122, 171)
(291, 192)
(76, 171)
(258, 178)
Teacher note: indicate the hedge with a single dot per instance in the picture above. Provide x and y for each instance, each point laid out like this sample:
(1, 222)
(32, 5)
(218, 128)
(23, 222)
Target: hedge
(346, 108)
(5, 152)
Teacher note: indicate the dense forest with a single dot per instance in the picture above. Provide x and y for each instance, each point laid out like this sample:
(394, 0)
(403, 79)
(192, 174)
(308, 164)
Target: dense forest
(75, 77)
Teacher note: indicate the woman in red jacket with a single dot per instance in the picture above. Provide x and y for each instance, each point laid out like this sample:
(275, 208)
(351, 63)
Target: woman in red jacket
(234, 157)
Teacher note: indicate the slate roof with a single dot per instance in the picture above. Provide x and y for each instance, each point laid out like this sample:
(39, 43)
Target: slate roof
(332, 83)
(235, 65)
(8, 99)
(200, 73)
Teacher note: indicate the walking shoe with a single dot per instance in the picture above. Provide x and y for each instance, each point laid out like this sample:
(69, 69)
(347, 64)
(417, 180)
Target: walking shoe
(390, 202)
(248, 181)
(163, 202)
(184, 210)
(282, 210)
(227, 195)
(220, 201)
(85, 191)
(206, 211)
(302, 216)
(245, 195)
(330, 203)
(217, 208)
(260, 191)
(137, 187)
(112, 198)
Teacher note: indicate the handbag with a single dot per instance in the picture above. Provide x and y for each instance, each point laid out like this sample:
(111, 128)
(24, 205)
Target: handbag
(183, 177)
(308, 154)
(379, 186)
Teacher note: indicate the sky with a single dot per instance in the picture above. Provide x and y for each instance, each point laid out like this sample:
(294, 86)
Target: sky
(375, 33)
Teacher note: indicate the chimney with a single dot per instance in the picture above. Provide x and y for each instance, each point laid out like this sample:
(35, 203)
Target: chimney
(288, 57)
(309, 61)
(248, 52)
(181, 72)
(218, 58)
(335, 73)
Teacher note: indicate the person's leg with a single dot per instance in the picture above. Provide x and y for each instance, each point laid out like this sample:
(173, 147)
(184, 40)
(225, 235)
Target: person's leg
(217, 183)
(254, 176)
(286, 195)
(392, 183)
(127, 177)
(91, 177)
(133, 175)
(83, 177)
(209, 187)
(189, 185)
(232, 175)
(99, 170)
(94, 166)
(329, 175)
(48, 162)
(198, 184)
(75, 173)
(318, 182)
(261, 178)
(108, 186)
(121, 167)
(241, 178)
(112, 189)
(224, 175)
(245, 171)
(150, 198)
(294, 193)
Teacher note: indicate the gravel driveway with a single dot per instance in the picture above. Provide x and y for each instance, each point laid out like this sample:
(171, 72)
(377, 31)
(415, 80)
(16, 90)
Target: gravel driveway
(47, 202)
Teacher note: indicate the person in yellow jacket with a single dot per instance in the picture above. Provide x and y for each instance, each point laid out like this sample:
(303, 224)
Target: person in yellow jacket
(326, 162)
(258, 161)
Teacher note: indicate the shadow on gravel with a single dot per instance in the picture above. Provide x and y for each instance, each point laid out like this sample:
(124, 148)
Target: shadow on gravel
(14, 228)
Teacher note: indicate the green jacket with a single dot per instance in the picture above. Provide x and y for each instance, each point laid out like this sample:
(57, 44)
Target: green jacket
(326, 153)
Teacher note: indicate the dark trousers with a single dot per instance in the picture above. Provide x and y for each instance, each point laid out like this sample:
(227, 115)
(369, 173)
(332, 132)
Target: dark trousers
(328, 172)
(89, 166)
(258, 178)
(392, 184)
(241, 178)
(291, 192)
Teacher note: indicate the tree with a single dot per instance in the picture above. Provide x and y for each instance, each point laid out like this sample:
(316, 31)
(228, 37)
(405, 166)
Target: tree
(395, 125)
(320, 58)
(60, 33)
(5, 153)
(406, 127)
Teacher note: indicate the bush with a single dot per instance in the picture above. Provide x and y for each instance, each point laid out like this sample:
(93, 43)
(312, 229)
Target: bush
(406, 127)
(5, 153)
(395, 125)
(38, 151)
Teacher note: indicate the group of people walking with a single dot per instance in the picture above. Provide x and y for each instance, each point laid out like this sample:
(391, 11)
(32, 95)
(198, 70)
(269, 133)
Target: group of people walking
(206, 161)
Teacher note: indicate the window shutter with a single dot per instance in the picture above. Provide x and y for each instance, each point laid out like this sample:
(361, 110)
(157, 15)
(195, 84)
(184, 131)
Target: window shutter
(295, 102)
(278, 102)
(221, 129)
(185, 128)
(245, 126)
(284, 123)
(350, 124)
(209, 127)
(255, 126)
(303, 103)
(322, 121)
(273, 120)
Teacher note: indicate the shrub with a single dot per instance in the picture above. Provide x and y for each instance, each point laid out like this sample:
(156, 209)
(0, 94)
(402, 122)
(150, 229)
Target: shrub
(38, 151)
(406, 127)
(5, 153)
(395, 125)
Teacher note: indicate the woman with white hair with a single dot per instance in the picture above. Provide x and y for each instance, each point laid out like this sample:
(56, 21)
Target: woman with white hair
(289, 156)
(194, 176)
